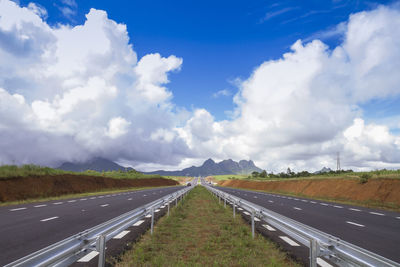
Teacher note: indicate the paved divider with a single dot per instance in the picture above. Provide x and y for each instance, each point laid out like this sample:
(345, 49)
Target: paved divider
(77, 246)
(320, 244)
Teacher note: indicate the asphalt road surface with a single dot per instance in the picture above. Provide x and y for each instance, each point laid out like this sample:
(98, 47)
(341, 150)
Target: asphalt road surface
(29, 227)
(375, 230)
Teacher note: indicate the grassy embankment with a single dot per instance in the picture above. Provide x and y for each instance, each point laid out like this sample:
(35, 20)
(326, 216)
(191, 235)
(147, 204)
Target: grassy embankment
(200, 232)
(375, 189)
(12, 171)
(30, 183)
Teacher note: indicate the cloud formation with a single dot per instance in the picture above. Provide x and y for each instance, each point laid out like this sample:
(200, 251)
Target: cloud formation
(299, 110)
(73, 93)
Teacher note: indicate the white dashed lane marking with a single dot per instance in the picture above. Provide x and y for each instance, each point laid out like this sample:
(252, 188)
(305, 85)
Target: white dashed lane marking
(18, 209)
(88, 257)
(270, 201)
(269, 228)
(39, 206)
(377, 213)
(313, 202)
(356, 224)
(83, 199)
(289, 241)
(58, 203)
(354, 209)
(129, 198)
(138, 223)
(71, 201)
(49, 219)
(323, 263)
(92, 198)
(397, 217)
(324, 204)
(105, 205)
(339, 207)
(296, 208)
(121, 235)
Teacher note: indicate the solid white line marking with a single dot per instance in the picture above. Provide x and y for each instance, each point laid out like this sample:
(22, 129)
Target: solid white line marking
(49, 219)
(339, 207)
(39, 206)
(70, 201)
(121, 235)
(377, 213)
(269, 228)
(18, 209)
(296, 208)
(354, 209)
(58, 203)
(138, 223)
(289, 241)
(356, 224)
(88, 257)
(323, 263)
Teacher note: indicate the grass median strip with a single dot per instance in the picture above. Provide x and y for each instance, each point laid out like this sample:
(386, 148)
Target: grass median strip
(201, 232)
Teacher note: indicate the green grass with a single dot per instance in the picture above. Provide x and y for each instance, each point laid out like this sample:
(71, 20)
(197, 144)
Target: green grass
(10, 171)
(200, 232)
(230, 176)
(363, 176)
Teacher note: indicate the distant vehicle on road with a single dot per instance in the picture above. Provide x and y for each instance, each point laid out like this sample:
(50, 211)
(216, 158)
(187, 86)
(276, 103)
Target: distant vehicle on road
(188, 184)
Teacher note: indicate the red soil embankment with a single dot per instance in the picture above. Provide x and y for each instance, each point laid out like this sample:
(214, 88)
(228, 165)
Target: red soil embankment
(22, 188)
(377, 190)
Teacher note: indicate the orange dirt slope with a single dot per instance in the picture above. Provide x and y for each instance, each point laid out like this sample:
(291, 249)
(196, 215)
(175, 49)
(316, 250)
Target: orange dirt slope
(378, 190)
(21, 188)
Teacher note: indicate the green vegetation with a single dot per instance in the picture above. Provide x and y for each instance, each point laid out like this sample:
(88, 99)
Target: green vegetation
(7, 171)
(349, 174)
(230, 176)
(200, 232)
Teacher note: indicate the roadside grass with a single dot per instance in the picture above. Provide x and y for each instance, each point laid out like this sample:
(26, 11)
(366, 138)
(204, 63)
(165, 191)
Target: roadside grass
(362, 203)
(362, 176)
(13, 171)
(200, 232)
(88, 194)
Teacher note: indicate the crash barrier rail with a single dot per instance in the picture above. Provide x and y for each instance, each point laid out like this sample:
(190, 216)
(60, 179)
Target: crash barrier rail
(320, 244)
(75, 247)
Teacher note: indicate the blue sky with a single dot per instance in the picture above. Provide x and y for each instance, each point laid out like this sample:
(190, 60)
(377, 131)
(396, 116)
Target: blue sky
(283, 83)
(219, 41)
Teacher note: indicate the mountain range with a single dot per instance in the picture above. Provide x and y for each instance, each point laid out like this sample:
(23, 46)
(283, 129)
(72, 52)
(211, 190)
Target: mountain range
(209, 167)
(95, 164)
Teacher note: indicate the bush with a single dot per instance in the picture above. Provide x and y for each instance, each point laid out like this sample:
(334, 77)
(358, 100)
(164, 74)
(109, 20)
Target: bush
(364, 178)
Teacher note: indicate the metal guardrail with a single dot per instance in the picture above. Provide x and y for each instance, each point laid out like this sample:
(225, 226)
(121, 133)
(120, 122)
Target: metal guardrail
(71, 249)
(320, 244)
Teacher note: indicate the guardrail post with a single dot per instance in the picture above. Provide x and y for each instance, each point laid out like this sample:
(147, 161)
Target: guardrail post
(101, 248)
(224, 201)
(152, 220)
(313, 253)
(219, 199)
(252, 223)
(176, 201)
(168, 208)
(234, 208)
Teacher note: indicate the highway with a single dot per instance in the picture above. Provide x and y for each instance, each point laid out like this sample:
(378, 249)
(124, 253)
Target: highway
(375, 230)
(27, 228)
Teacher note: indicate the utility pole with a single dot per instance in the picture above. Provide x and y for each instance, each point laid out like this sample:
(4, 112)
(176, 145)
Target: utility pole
(338, 162)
